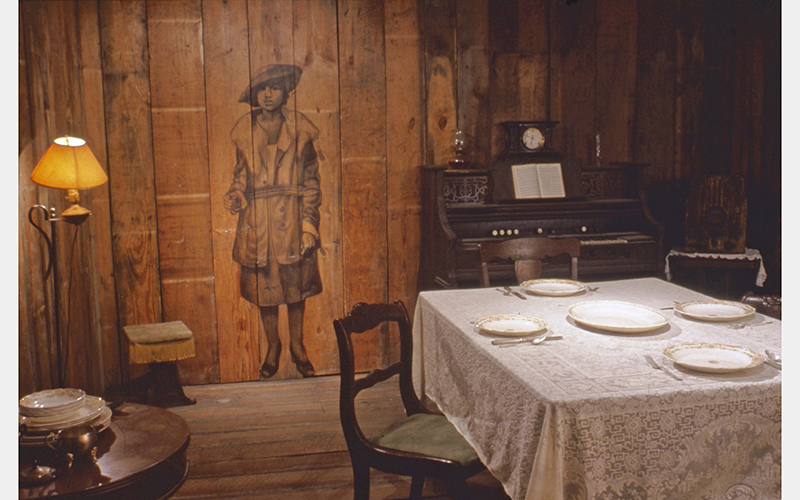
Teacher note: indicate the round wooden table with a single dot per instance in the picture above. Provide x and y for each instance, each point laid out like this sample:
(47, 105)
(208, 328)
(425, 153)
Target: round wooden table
(141, 455)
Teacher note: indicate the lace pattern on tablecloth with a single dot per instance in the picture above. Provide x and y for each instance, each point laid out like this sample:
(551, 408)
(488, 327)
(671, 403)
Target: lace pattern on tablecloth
(598, 430)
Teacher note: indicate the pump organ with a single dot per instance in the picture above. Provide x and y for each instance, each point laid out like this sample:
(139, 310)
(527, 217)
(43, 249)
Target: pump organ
(619, 237)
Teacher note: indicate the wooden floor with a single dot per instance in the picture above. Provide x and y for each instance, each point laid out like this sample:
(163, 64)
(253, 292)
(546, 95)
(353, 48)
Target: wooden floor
(283, 440)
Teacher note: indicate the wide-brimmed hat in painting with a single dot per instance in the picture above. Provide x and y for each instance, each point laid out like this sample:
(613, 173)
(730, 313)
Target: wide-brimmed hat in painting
(285, 75)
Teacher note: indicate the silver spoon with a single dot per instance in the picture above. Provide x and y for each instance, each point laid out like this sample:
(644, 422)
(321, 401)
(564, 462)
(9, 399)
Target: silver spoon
(504, 292)
(774, 357)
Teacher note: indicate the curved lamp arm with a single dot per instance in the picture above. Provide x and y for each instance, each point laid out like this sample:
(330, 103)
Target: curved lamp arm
(49, 216)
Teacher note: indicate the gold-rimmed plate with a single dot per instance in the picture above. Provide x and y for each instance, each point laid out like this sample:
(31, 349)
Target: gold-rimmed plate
(715, 310)
(91, 409)
(617, 316)
(713, 358)
(51, 402)
(553, 287)
(511, 325)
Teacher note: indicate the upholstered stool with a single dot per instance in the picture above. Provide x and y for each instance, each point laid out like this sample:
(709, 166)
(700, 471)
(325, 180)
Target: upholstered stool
(160, 345)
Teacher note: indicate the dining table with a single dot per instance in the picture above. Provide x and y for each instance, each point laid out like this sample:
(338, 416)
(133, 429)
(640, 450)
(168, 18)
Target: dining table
(586, 415)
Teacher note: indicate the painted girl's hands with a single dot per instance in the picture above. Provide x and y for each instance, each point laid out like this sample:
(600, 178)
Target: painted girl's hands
(234, 201)
(308, 243)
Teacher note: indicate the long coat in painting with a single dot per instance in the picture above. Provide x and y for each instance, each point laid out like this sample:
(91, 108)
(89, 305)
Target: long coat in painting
(281, 185)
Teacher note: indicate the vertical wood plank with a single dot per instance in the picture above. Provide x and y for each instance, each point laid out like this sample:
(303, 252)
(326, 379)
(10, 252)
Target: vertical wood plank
(317, 98)
(225, 48)
(689, 84)
(573, 31)
(404, 154)
(32, 324)
(126, 91)
(616, 78)
(363, 149)
(103, 306)
(655, 89)
(534, 60)
(180, 157)
(473, 77)
(37, 27)
(441, 90)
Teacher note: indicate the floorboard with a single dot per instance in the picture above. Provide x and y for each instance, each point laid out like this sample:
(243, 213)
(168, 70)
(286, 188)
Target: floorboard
(282, 440)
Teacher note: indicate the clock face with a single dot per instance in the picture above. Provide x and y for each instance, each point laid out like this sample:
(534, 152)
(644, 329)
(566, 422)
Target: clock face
(532, 138)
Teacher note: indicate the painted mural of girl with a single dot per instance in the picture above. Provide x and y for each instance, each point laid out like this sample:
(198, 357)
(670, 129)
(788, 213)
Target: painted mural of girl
(276, 194)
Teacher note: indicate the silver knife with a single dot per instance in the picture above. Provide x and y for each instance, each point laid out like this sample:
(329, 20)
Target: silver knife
(508, 289)
(652, 363)
(522, 340)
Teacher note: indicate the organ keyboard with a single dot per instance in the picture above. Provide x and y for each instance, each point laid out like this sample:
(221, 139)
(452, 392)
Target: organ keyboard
(619, 238)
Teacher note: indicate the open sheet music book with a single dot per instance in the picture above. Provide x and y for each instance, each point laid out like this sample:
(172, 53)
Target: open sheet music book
(538, 180)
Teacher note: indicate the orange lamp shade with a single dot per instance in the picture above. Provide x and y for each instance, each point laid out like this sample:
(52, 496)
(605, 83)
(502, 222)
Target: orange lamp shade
(69, 164)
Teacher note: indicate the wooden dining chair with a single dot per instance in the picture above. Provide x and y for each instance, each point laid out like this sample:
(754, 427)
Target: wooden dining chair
(420, 445)
(527, 254)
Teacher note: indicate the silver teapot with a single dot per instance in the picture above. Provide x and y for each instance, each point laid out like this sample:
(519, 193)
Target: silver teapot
(74, 443)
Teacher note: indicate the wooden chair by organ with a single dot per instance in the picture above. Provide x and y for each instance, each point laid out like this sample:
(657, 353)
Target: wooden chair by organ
(607, 212)
(527, 255)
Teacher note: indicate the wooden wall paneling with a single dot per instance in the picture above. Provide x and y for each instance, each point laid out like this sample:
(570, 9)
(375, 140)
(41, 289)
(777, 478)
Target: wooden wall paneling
(56, 109)
(180, 157)
(40, 95)
(271, 41)
(530, 85)
(362, 82)
(534, 63)
(227, 74)
(404, 152)
(103, 304)
(748, 92)
(126, 91)
(504, 88)
(719, 85)
(689, 83)
(655, 127)
(573, 29)
(761, 160)
(30, 291)
(81, 343)
(317, 97)
(654, 141)
(473, 77)
(616, 78)
(441, 87)
(504, 97)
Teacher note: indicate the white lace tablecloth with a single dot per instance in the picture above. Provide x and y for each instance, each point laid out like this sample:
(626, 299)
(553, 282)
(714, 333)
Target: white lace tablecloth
(585, 417)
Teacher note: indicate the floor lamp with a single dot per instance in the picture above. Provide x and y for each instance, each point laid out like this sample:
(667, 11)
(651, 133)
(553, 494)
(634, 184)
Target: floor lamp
(67, 164)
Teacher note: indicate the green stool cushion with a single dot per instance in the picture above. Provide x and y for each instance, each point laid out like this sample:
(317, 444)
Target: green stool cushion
(427, 434)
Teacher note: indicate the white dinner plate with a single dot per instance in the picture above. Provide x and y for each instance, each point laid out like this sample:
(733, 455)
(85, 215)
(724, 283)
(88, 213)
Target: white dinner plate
(715, 310)
(91, 409)
(511, 325)
(553, 287)
(713, 358)
(51, 402)
(617, 316)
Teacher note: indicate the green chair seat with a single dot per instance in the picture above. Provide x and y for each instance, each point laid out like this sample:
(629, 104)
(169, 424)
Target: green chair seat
(427, 434)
